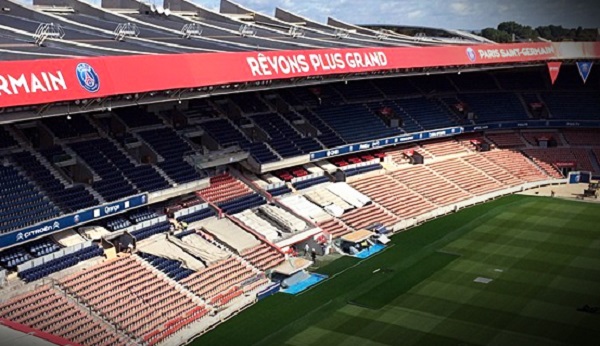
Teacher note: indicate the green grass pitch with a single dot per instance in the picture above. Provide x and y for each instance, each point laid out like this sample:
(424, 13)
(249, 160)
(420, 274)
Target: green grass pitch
(542, 254)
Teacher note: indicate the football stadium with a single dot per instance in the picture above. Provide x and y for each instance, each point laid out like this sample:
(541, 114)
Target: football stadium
(177, 175)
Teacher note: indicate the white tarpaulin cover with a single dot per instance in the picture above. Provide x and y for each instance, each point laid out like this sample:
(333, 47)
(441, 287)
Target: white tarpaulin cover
(260, 225)
(304, 207)
(197, 246)
(281, 216)
(228, 232)
(349, 194)
(324, 197)
(334, 210)
(94, 232)
(70, 237)
(162, 247)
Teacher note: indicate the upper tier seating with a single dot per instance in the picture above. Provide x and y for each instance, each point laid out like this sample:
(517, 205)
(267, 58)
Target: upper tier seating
(135, 117)
(473, 81)
(430, 85)
(328, 136)
(22, 204)
(358, 91)
(494, 107)
(521, 80)
(573, 105)
(249, 103)
(68, 199)
(6, 140)
(136, 300)
(199, 110)
(408, 124)
(76, 126)
(394, 196)
(428, 113)
(99, 154)
(394, 87)
(228, 135)
(50, 311)
(355, 123)
(283, 138)
(172, 148)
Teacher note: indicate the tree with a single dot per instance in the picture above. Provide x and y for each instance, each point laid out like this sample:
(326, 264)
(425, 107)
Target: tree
(496, 35)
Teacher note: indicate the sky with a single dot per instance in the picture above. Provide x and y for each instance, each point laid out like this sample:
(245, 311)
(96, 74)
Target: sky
(451, 14)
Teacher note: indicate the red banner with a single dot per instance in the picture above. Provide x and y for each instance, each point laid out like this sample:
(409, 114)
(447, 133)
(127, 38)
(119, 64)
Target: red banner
(554, 70)
(45, 81)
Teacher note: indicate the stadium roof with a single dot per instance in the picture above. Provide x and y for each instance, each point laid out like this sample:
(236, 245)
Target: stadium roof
(55, 48)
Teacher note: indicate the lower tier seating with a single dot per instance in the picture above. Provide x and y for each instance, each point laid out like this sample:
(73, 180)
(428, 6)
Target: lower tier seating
(263, 256)
(50, 311)
(432, 186)
(132, 297)
(369, 215)
(394, 196)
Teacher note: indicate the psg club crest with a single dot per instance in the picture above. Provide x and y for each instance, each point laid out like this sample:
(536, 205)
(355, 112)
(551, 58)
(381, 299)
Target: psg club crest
(471, 54)
(87, 77)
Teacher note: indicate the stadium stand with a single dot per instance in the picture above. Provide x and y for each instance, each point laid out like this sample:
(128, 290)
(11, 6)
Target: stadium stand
(517, 164)
(172, 148)
(506, 139)
(138, 301)
(571, 105)
(490, 107)
(68, 199)
(50, 311)
(354, 122)
(394, 196)
(432, 186)
(283, 138)
(188, 258)
(22, 204)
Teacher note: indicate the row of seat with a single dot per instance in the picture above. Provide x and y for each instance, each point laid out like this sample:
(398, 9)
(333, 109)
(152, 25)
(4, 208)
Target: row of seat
(197, 215)
(305, 184)
(362, 169)
(149, 231)
(240, 204)
(59, 264)
(278, 191)
(173, 269)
